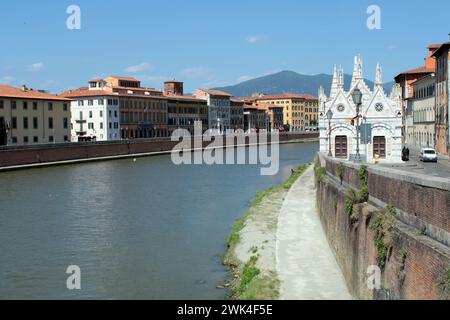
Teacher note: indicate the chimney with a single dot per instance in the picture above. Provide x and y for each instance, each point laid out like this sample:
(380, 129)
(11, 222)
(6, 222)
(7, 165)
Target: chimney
(24, 88)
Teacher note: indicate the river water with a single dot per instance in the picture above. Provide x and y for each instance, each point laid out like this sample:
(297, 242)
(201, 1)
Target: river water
(137, 230)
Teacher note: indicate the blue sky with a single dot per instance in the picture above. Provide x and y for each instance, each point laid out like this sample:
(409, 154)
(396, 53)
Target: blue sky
(210, 43)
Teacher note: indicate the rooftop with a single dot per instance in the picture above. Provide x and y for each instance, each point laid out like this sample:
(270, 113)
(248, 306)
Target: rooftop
(27, 93)
(283, 96)
(441, 47)
(216, 92)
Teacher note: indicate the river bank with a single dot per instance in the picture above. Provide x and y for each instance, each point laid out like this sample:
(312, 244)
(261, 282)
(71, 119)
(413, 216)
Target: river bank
(251, 255)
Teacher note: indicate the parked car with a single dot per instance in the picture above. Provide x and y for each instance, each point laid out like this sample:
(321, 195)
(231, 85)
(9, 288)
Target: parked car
(428, 154)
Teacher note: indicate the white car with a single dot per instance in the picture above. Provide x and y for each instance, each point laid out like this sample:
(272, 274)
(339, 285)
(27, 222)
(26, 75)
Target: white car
(428, 154)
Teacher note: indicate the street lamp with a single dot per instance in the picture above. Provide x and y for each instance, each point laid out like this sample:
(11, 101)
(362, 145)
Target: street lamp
(329, 117)
(357, 99)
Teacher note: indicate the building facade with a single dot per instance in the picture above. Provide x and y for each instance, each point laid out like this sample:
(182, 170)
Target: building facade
(421, 113)
(94, 115)
(30, 117)
(219, 108)
(184, 111)
(405, 80)
(255, 118)
(236, 114)
(380, 117)
(300, 110)
(129, 111)
(442, 107)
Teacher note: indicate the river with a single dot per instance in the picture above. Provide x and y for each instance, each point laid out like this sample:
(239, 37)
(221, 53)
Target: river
(137, 230)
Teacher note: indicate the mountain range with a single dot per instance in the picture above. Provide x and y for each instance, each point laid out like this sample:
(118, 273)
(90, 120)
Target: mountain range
(291, 82)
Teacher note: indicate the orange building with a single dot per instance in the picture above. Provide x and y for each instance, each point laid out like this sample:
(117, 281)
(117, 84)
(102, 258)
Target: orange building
(300, 111)
(406, 78)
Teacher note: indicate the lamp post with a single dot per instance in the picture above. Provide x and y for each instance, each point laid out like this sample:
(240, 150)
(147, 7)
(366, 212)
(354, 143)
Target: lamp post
(357, 99)
(329, 117)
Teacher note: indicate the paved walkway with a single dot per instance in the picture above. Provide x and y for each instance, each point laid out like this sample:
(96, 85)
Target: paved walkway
(306, 265)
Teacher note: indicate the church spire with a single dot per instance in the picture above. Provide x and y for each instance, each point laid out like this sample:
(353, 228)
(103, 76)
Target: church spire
(341, 77)
(357, 70)
(379, 76)
(335, 83)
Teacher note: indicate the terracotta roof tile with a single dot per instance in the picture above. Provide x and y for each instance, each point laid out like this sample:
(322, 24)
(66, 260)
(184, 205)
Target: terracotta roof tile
(216, 92)
(84, 92)
(11, 92)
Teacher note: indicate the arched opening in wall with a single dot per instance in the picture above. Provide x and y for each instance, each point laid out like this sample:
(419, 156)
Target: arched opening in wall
(379, 147)
(341, 147)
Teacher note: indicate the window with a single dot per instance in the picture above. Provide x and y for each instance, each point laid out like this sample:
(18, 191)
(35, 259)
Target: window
(101, 125)
(100, 102)
(13, 104)
(1, 104)
(25, 105)
(90, 102)
(115, 113)
(65, 107)
(35, 123)
(116, 125)
(50, 123)
(14, 122)
(66, 123)
(14, 140)
(90, 114)
(25, 139)
(91, 125)
(35, 139)
(50, 106)
(35, 105)
(80, 103)
(101, 113)
(51, 139)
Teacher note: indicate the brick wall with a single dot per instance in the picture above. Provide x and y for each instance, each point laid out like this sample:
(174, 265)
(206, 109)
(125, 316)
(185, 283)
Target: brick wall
(415, 277)
(79, 151)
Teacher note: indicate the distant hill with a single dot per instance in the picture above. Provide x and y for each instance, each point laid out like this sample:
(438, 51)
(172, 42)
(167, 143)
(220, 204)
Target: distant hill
(290, 82)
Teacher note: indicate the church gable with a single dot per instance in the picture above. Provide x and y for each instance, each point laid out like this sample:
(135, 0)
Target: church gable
(379, 106)
(341, 106)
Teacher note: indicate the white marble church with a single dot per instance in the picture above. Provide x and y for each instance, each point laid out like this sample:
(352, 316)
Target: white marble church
(380, 119)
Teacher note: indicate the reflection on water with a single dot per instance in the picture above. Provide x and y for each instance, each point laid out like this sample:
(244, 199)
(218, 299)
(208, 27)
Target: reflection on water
(138, 230)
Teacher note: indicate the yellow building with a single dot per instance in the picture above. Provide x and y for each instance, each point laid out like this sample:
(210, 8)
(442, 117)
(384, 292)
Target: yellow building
(300, 110)
(29, 117)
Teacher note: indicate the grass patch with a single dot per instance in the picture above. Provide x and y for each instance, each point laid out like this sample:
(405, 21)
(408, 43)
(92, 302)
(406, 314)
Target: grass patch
(249, 272)
(382, 226)
(319, 172)
(341, 171)
(444, 285)
(263, 287)
(294, 176)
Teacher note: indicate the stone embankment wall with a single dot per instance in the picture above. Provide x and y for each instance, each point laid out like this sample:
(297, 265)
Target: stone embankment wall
(412, 250)
(53, 154)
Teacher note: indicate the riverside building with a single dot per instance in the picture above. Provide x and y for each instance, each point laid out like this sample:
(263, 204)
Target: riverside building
(29, 116)
(219, 108)
(380, 119)
(183, 110)
(300, 111)
(442, 108)
(420, 117)
(129, 110)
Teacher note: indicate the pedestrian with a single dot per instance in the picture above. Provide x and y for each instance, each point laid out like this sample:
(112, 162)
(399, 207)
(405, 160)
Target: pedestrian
(407, 154)
(404, 154)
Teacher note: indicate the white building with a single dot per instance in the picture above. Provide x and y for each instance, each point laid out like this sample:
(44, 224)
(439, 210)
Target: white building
(95, 113)
(380, 117)
(421, 113)
(219, 108)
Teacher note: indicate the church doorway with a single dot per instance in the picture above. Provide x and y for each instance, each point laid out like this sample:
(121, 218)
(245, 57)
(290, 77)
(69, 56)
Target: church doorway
(341, 147)
(379, 147)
